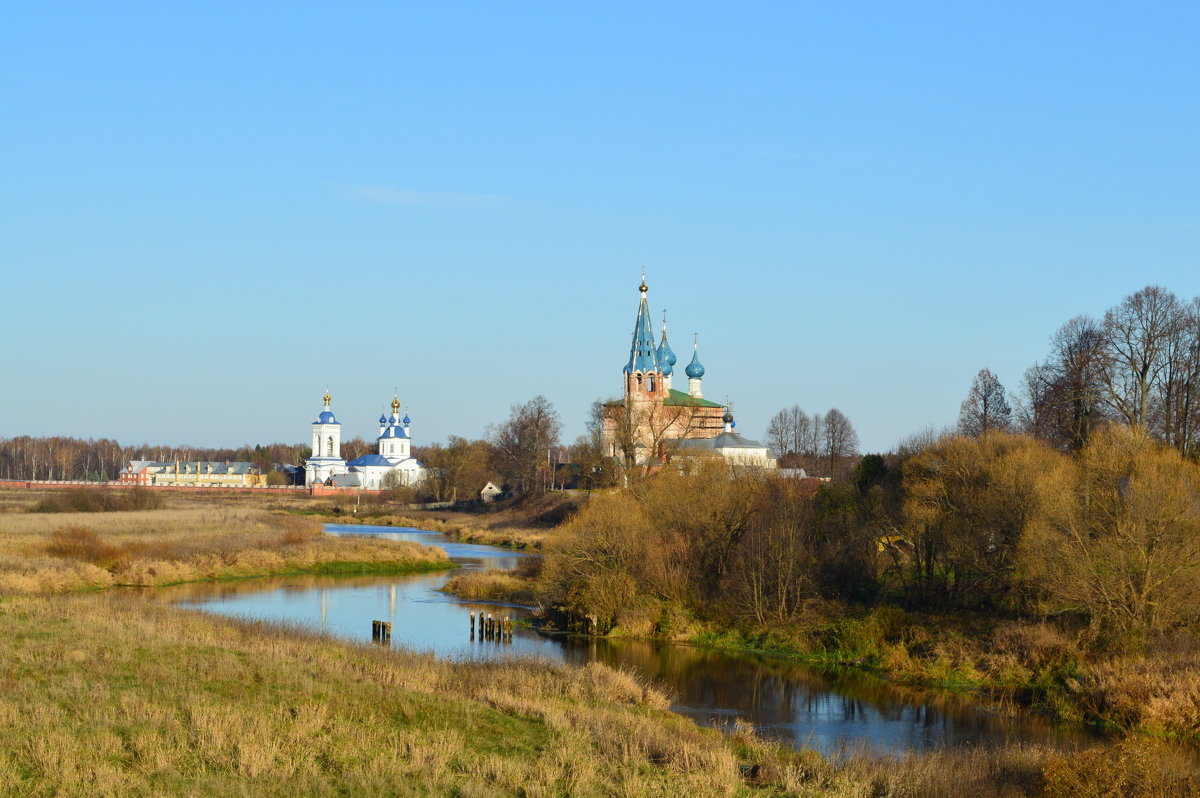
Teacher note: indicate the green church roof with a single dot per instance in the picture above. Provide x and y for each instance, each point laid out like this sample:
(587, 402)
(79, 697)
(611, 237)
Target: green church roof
(681, 398)
(674, 399)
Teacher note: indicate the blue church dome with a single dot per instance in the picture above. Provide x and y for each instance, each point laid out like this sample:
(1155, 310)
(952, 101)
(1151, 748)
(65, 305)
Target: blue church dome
(694, 369)
(383, 419)
(406, 421)
(666, 358)
(326, 417)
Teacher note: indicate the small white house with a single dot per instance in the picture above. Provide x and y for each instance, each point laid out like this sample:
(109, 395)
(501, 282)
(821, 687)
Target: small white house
(489, 492)
(733, 447)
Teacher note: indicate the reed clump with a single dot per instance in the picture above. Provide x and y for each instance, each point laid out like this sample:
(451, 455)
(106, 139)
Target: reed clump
(492, 585)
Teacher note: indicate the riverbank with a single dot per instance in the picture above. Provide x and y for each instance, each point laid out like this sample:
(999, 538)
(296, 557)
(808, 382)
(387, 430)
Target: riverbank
(527, 524)
(67, 551)
(1006, 665)
(1009, 665)
(112, 695)
(459, 527)
(458, 530)
(741, 560)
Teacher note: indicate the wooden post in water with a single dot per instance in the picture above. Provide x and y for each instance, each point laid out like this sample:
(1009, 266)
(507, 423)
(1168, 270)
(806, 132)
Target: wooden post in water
(375, 631)
(387, 633)
(472, 625)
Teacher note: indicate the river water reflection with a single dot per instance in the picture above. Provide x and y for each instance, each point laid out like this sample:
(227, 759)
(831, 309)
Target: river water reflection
(793, 703)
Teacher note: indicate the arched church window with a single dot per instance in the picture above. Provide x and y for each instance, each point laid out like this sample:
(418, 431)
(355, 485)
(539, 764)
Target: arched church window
(650, 383)
(329, 447)
(639, 382)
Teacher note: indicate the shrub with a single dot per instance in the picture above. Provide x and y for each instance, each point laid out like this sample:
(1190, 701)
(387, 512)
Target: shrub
(98, 500)
(1135, 768)
(295, 529)
(83, 544)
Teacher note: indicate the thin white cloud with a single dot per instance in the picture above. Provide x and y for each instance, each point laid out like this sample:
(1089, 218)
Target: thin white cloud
(427, 199)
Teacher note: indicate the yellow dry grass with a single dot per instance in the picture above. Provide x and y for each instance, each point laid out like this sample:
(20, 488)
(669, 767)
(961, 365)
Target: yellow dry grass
(108, 695)
(58, 552)
(491, 585)
(512, 537)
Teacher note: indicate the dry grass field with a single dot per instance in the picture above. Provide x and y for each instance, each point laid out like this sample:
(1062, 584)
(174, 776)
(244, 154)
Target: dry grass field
(109, 695)
(191, 538)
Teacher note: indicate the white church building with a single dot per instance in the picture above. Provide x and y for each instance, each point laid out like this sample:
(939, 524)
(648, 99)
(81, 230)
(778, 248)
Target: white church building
(393, 455)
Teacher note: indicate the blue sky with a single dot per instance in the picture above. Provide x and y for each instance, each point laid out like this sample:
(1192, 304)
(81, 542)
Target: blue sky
(210, 211)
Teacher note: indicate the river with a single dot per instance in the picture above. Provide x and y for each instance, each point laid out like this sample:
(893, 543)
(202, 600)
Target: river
(796, 704)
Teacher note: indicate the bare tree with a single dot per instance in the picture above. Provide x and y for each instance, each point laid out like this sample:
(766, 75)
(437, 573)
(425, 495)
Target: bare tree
(813, 436)
(647, 432)
(840, 441)
(779, 433)
(595, 467)
(1064, 396)
(1138, 334)
(522, 442)
(985, 409)
(1175, 409)
(457, 470)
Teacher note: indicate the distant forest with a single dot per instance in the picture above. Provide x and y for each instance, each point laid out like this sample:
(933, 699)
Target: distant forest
(60, 458)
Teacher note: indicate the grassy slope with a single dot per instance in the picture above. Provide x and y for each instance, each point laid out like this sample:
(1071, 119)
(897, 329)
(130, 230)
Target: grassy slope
(108, 695)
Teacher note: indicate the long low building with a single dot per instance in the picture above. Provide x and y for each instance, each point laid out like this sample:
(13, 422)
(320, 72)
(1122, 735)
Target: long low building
(194, 473)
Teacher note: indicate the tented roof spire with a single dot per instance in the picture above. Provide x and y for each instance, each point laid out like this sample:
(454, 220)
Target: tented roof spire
(643, 356)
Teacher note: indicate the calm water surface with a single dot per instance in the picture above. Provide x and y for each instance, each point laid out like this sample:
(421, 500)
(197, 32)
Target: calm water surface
(793, 703)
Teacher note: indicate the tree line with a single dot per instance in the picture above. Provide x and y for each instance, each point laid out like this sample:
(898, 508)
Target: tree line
(1075, 501)
(100, 460)
(1138, 365)
(520, 453)
(823, 444)
(1106, 538)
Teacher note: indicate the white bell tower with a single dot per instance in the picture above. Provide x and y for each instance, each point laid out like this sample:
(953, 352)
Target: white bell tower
(326, 459)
